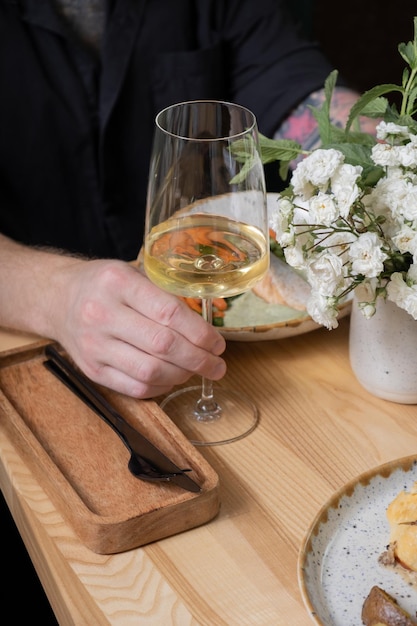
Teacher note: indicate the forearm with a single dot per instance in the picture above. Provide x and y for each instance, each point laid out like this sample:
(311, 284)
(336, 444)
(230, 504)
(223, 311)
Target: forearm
(31, 283)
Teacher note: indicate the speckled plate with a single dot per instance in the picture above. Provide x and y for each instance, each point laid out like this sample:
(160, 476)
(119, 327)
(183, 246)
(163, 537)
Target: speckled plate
(338, 561)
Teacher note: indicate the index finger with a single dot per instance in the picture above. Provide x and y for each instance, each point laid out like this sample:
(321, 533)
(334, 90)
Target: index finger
(170, 311)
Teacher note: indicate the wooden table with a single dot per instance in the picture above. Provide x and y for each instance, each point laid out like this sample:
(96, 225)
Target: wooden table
(318, 429)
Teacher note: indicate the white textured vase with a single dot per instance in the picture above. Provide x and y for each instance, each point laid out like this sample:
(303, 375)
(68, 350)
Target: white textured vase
(383, 352)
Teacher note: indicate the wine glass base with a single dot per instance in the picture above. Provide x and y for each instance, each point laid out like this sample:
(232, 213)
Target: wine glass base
(237, 417)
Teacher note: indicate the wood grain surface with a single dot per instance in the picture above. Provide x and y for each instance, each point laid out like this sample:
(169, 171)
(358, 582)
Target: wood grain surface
(318, 429)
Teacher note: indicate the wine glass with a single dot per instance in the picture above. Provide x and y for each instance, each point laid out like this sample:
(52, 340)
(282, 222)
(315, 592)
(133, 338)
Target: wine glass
(207, 236)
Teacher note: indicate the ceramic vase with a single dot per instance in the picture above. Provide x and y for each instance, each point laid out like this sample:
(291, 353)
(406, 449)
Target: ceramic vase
(383, 352)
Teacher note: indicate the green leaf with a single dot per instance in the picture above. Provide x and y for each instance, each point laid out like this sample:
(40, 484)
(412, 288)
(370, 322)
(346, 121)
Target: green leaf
(322, 115)
(279, 149)
(339, 136)
(368, 97)
(405, 76)
(329, 86)
(323, 123)
(245, 152)
(408, 53)
(284, 168)
(355, 154)
(371, 175)
(248, 161)
(277, 250)
(376, 108)
(407, 120)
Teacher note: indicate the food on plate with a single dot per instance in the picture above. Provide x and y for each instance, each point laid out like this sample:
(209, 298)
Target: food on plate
(281, 294)
(402, 518)
(219, 305)
(381, 609)
(282, 285)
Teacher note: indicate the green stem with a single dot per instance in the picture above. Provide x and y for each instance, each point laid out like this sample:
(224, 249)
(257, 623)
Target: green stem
(407, 91)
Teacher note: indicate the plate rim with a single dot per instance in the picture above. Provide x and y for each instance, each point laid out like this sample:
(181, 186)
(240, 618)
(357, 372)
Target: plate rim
(405, 463)
(344, 309)
(236, 333)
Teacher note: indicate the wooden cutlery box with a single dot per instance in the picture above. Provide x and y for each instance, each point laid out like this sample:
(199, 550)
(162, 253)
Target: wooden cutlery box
(83, 464)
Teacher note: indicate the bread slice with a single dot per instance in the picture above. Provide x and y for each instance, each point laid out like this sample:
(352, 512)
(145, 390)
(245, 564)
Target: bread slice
(282, 285)
(381, 609)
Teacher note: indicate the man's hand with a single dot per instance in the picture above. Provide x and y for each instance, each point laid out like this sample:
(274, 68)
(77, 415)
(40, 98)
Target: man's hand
(120, 329)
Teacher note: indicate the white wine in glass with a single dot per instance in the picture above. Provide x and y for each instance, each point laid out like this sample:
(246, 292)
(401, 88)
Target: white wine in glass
(207, 236)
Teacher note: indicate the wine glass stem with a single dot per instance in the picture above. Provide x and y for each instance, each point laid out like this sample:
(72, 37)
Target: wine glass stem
(207, 408)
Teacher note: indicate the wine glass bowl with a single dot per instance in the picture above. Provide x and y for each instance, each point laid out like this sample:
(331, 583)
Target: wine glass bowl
(207, 236)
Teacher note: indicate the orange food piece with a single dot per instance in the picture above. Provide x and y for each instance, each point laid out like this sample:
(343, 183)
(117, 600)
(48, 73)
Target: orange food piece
(219, 306)
(193, 303)
(184, 243)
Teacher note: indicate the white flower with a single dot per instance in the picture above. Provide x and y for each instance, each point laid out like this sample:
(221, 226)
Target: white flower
(367, 309)
(315, 171)
(294, 256)
(410, 302)
(412, 274)
(385, 154)
(406, 240)
(394, 152)
(407, 155)
(344, 187)
(280, 220)
(287, 238)
(325, 273)
(323, 310)
(345, 176)
(366, 297)
(397, 288)
(323, 209)
(367, 255)
(385, 129)
(403, 293)
(408, 206)
(396, 195)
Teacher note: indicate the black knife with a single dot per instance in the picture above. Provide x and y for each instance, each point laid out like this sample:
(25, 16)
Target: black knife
(147, 461)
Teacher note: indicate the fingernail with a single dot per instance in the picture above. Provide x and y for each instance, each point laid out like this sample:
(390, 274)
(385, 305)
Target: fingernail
(220, 370)
(219, 346)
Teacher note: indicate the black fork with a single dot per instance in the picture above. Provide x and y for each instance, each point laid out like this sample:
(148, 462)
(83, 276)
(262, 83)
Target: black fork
(140, 465)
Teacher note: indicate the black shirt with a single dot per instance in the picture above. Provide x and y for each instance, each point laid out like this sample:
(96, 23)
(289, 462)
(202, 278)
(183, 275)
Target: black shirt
(76, 131)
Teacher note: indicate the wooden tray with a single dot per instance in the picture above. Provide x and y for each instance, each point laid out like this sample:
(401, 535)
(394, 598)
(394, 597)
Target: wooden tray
(82, 463)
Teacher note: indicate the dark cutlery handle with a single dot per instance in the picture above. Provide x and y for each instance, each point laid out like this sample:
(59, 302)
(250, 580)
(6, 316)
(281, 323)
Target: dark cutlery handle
(133, 440)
